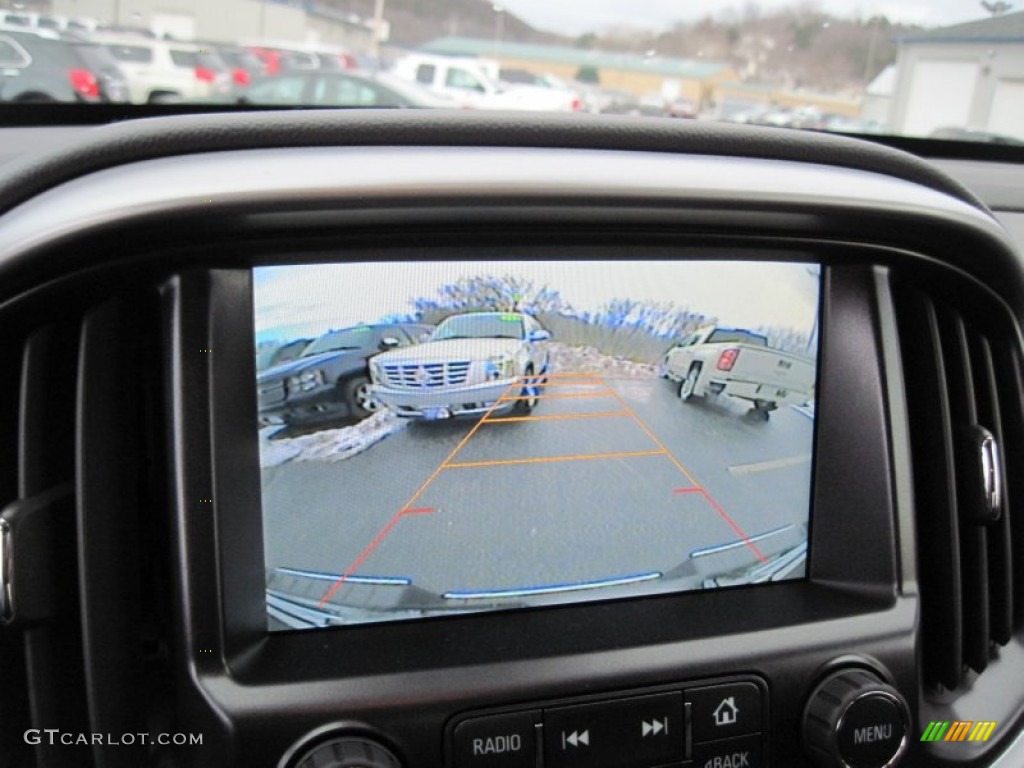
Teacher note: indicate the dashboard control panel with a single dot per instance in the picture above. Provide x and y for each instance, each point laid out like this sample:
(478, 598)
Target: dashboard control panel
(708, 723)
(853, 718)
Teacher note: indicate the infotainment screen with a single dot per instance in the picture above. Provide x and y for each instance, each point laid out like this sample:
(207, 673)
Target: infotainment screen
(438, 438)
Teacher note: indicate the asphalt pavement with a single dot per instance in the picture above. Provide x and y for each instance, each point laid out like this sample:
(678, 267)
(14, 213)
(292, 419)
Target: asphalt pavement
(606, 479)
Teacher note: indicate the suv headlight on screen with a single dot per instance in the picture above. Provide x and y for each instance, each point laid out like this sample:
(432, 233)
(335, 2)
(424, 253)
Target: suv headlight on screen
(305, 381)
(499, 367)
(376, 372)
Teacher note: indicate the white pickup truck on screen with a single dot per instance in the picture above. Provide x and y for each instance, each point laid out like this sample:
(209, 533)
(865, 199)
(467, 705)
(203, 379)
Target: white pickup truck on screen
(470, 362)
(739, 363)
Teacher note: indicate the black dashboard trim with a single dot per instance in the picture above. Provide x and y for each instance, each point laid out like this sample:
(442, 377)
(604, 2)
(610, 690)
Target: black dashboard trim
(253, 694)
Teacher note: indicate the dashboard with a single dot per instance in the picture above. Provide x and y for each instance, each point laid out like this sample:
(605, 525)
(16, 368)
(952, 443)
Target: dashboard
(505, 441)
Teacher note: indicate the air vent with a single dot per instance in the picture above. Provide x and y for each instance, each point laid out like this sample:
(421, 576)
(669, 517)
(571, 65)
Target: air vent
(14, 711)
(962, 367)
(83, 521)
(44, 576)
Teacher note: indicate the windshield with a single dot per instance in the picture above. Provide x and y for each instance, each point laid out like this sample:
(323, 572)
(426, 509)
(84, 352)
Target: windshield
(951, 70)
(275, 353)
(337, 341)
(483, 325)
(737, 336)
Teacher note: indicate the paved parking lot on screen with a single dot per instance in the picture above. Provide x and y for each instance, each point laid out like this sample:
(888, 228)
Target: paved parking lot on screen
(607, 479)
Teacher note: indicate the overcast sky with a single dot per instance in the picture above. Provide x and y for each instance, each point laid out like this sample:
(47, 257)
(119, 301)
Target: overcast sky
(575, 17)
(309, 300)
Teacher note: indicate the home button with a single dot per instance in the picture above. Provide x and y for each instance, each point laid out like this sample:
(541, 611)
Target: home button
(723, 711)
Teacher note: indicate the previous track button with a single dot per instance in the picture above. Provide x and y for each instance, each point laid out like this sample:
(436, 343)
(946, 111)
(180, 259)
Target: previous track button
(622, 733)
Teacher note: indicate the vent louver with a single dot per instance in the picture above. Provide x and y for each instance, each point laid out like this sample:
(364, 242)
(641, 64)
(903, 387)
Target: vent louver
(962, 369)
(14, 716)
(83, 527)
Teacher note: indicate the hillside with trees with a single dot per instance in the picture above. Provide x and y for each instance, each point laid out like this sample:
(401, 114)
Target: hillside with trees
(622, 328)
(796, 47)
(414, 22)
(801, 46)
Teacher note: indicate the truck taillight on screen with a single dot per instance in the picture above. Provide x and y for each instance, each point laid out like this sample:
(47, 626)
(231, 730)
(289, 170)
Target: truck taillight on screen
(727, 359)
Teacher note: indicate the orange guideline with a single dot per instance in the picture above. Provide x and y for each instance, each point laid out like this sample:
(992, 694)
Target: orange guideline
(563, 379)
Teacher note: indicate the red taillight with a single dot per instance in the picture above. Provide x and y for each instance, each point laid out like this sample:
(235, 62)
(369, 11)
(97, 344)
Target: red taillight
(205, 75)
(727, 359)
(271, 60)
(348, 62)
(240, 77)
(576, 105)
(85, 83)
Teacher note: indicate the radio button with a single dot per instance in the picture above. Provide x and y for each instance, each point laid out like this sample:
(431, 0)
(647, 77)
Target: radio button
(497, 741)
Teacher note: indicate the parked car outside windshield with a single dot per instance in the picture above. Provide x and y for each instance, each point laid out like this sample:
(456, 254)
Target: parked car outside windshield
(950, 71)
(37, 66)
(337, 89)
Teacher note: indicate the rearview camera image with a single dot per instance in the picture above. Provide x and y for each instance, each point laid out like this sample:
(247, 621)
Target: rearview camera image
(439, 438)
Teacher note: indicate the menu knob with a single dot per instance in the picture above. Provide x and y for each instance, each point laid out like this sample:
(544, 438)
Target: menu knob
(854, 719)
(348, 752)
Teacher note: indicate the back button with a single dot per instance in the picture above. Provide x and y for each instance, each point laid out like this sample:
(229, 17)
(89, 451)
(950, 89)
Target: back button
(497, 741)
(744, 752)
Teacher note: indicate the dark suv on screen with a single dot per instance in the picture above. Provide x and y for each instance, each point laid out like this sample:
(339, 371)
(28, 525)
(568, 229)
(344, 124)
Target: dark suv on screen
(330, 378)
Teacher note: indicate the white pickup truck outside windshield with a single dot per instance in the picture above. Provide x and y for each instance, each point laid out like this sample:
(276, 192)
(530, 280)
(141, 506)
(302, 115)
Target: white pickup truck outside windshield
(439, 438)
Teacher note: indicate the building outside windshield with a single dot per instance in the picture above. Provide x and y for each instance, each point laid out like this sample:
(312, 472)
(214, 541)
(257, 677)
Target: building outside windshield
(949, 69)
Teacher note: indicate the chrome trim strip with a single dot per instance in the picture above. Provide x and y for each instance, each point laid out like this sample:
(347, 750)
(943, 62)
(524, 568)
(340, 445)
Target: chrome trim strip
(991, 476)
(420, 176)
(1013, 754)
(6, 570)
